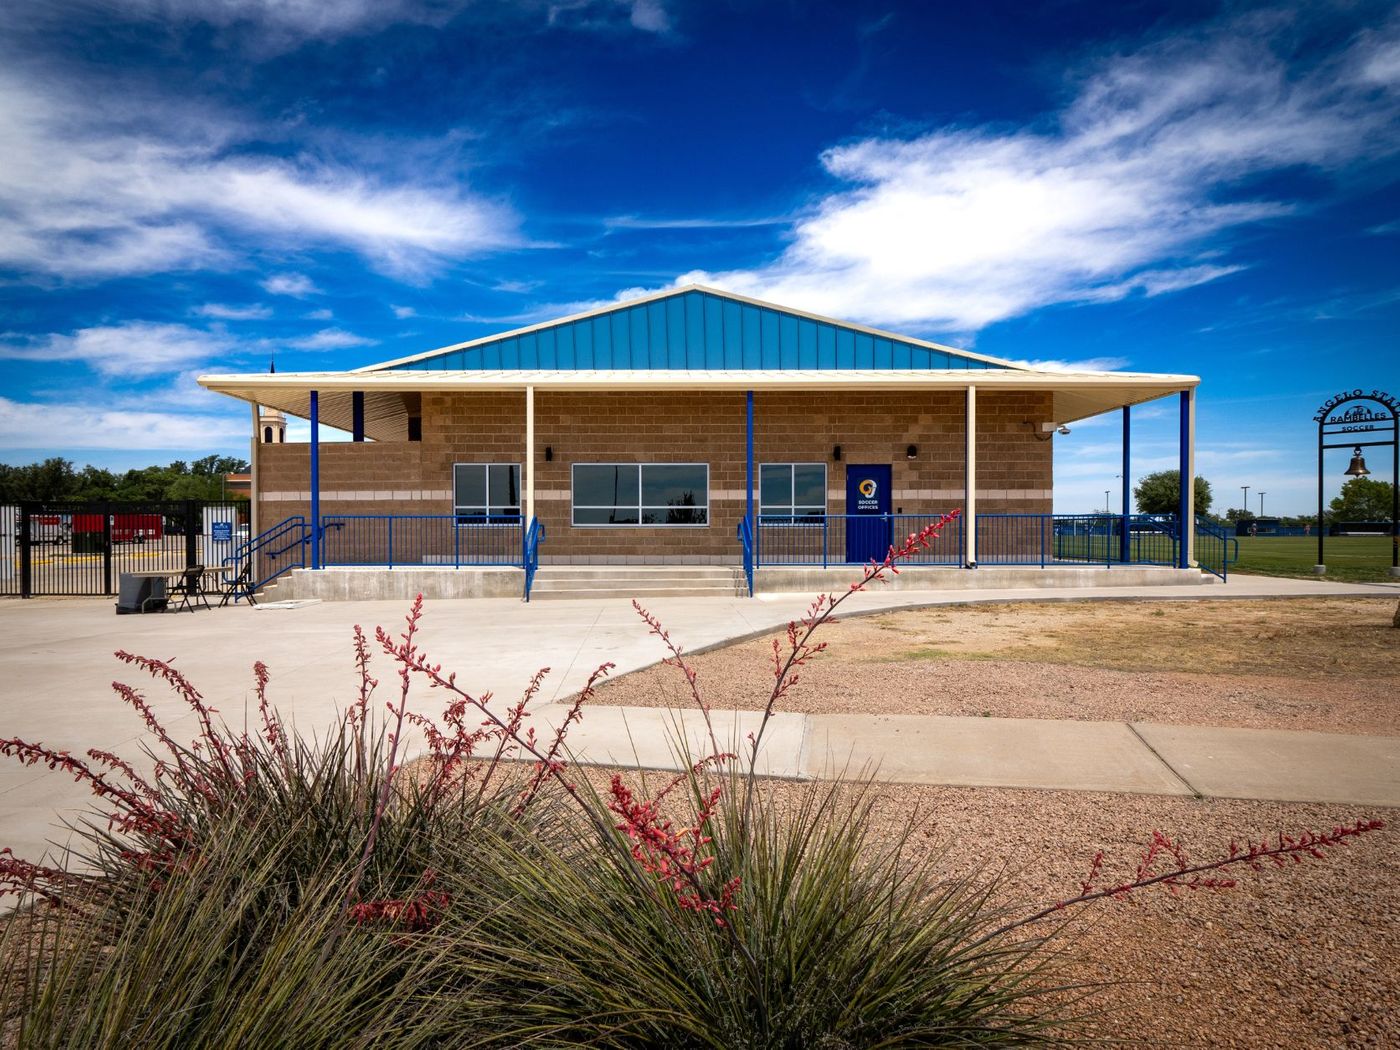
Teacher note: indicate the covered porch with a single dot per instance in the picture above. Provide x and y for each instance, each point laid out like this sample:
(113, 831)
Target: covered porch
(976, 441)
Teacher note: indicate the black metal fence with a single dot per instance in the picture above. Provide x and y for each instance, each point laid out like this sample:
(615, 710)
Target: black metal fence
(82, 548)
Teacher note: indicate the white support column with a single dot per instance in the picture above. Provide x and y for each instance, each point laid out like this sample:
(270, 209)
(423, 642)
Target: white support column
(970, 493)
(253, 472)
(1190, 530)
(529, 455)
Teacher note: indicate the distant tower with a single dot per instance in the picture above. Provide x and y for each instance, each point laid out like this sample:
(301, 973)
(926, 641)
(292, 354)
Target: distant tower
(272, 426)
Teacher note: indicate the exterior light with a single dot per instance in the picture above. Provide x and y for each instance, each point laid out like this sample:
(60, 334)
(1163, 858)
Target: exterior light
(836, 453)
(1358, 465)
(1063, 430)
(912, 452)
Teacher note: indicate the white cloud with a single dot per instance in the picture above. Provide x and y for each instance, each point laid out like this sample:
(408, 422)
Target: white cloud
(226, 312)
(293, 284)
(82, 426)
(93, 188)
(1129, 190)
(330, 339)
(318, 315)
(647, 16)
(403, 312)
(133, 349)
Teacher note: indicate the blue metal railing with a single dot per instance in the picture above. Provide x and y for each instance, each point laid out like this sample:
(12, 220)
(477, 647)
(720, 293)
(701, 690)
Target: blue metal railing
(448, 540)
(847, 539)
(747, 539)
(1214, 552)
(530, 552)
(268, 555)
(1002, 539)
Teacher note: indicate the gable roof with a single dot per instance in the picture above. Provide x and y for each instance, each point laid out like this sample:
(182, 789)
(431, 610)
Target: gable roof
(695, 328)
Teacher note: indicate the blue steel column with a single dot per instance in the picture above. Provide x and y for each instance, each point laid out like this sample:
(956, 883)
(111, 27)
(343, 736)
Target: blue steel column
(748, 490)
(1183, 559)
(315, 481)
(1127, 485)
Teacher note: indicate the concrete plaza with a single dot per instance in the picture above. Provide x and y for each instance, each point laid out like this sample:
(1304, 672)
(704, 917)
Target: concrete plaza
(56, 665)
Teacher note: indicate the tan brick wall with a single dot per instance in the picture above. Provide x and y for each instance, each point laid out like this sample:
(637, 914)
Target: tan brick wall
(1014, 467)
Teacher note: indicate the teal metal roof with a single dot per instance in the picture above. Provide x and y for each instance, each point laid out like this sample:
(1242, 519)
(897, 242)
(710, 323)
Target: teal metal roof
(696, 328)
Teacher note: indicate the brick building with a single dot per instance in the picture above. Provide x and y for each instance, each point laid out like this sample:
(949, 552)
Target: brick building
(692, 426)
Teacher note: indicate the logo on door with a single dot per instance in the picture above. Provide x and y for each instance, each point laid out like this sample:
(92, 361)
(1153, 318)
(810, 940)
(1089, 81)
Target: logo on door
(868, 487)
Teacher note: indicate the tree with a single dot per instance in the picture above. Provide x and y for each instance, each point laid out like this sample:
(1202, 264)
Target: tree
(1160, 493)
(1236, 514)
(1363, 500)
(56, 480)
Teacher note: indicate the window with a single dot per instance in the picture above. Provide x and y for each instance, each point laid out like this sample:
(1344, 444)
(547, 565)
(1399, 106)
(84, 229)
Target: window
(486, 492)
(795, 490)
(641, 494)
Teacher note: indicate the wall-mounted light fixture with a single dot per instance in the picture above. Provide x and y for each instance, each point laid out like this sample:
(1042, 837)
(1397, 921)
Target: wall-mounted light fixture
(912, 452)
(549, 453)
(836, 453)
(1045, 431)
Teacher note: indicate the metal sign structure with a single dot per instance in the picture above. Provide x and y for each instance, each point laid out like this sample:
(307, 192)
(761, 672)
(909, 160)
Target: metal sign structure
(1351, 420)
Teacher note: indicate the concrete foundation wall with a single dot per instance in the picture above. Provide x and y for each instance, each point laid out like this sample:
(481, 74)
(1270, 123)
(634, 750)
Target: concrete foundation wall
(817, 580)
(400, 478)
(346, 585)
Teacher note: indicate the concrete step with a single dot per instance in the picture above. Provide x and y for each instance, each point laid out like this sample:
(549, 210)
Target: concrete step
(625, 580)
(635, 581)
(608, 573)
(545, 594)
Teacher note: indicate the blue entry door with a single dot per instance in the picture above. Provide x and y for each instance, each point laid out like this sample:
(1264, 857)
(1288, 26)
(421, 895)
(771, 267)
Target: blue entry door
(868, 527)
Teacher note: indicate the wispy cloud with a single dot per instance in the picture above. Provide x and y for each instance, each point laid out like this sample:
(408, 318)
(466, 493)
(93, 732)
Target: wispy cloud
(330, 339)
(297, 285)
(1133, 188)
(648, 16)
(635, 222)
(226, 312)
(100, 189)
(403, 312)
(319, 315)
(85, 426)
(133, 349)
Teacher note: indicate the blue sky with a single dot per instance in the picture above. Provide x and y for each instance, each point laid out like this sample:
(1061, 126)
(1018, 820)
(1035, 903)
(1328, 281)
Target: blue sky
(198, 185)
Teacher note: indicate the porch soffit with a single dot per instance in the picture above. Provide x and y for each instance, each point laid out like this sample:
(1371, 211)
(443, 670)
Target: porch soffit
(1076, 395)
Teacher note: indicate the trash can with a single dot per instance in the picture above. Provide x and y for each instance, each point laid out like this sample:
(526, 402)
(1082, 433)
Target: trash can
(139, 594)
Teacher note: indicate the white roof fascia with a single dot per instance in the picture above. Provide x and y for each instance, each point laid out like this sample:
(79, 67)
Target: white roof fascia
(668, 293)
(655, 379)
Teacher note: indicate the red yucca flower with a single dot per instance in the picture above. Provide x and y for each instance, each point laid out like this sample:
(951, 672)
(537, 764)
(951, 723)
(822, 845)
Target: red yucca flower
(669, 854)
(416, 914)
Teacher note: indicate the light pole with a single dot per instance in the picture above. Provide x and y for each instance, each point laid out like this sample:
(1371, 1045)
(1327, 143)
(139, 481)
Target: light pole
(1107, 506)
(1246, 500)
(1261, 503)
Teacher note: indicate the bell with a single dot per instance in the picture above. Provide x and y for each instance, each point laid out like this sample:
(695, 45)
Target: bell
(1358, 465)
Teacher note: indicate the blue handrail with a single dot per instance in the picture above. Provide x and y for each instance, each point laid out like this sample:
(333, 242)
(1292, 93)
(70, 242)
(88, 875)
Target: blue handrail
(290, 534)
(1209, 556)
(530, 552)
(745, 535)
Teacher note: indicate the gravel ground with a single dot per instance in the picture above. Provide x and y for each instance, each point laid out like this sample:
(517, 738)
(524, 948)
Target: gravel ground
(1303, 956)
(1329, 665)
(1307, 956)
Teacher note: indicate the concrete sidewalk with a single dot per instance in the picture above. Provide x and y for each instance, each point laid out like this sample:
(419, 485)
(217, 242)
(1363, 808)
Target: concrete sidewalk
(1137, 758)
(56, 666)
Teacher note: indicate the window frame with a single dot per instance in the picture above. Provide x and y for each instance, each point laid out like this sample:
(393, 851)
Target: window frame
(461, 521)
(788, 514)
(575, 506)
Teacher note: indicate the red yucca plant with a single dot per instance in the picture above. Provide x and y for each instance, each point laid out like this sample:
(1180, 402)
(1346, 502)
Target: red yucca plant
(513, 890)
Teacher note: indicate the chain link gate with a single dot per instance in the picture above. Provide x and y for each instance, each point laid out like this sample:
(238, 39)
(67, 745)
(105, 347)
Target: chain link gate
(66, 547)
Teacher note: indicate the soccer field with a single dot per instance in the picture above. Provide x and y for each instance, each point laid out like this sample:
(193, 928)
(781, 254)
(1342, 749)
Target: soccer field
(1350, 558)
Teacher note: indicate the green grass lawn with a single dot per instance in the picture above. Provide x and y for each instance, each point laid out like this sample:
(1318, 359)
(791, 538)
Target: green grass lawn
(1349, 558)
